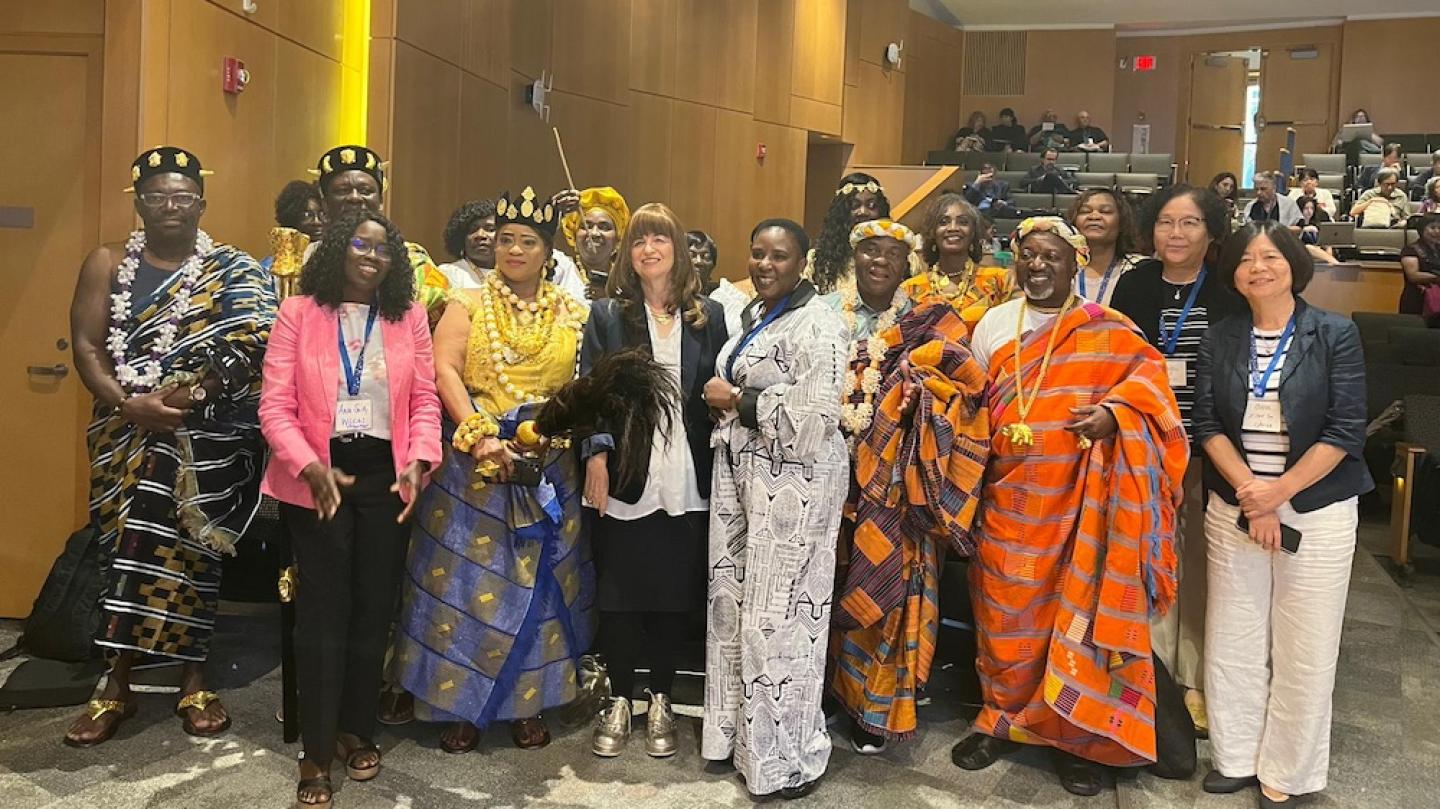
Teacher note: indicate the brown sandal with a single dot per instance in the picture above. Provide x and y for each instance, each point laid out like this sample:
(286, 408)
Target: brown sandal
(348, 754)
(465, 745)
(321, 782)
(529, 734)
(396, 708)
(98, 708)
(200, 701)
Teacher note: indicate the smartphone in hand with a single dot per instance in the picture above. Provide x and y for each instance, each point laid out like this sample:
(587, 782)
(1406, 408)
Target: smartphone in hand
(1289, 537)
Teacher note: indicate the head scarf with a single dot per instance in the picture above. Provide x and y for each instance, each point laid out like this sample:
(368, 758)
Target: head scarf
(1059, 227)
(606, 199)
(166, 160)
(350, 158)
(884, 227)
(528, 210)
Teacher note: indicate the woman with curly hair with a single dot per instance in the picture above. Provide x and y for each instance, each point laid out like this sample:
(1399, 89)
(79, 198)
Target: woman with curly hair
(347, 463)
(470, 239)
(830, 263)
(952, 252)
(1107, 222)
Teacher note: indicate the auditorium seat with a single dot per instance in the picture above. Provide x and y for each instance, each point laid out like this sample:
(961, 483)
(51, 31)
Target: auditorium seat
(1335, 183)
(1094, 179)
(1074, 161)
(1021, 161)
(1033, 202)
(943, 157)
(1368, 160)
(1111, 163)
(1014, 178)
(1325, 163)
(1064, 201)
(1380, 241)
(1005, 227)
(1135, 183)
(1161, 165)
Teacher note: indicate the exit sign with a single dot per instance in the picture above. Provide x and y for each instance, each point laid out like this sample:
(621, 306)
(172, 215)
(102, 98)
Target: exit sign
(1144, 64)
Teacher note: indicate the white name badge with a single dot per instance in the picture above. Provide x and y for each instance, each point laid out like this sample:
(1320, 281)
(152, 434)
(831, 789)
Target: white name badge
(353, 416)
(1177, 370)
(1264, 416)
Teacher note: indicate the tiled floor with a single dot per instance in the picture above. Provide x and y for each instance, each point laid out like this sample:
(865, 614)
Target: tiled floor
(1386, 745)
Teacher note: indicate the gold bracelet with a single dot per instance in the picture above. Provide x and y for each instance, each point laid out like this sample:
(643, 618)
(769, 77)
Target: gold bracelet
(476, 427)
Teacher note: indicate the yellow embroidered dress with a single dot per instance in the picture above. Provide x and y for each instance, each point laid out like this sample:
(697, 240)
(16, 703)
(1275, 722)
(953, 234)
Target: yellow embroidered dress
(499, 603)
(990, 286)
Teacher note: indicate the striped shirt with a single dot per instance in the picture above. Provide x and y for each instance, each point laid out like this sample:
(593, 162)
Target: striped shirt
(1187, 345)
(1265, 452)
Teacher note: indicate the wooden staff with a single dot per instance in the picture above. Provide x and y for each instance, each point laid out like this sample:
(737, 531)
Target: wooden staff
(563, 162)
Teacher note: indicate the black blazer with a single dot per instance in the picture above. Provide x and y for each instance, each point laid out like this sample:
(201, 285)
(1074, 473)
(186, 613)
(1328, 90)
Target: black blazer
(1324, 365)
(1138, 297)
(607, 332)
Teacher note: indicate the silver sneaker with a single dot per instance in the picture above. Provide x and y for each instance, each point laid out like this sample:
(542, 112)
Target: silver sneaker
(612, 728)
(592, 690)
(660, 726)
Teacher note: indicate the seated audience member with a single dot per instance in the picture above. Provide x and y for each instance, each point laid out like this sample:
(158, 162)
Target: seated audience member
(1008, 135)
(1421, 264)
(1269, 205)
(1227, 187)
(1370, 145)
(1049, 133)
(973, 136)
(1423, 179)
(1087, 138)
(1048, 177)
(703, 257)
(470, 238)
(989, 195)
(1389, 159)
(1312, 216)
(1430, 200)
(1310, 187)
(1384, 193)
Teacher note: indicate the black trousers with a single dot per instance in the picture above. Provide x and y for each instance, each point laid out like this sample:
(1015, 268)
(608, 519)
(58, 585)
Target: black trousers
(627, 636)
(349, 571)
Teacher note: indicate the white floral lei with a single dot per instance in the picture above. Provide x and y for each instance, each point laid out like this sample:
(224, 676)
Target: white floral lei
(137, 375)
(856, 416)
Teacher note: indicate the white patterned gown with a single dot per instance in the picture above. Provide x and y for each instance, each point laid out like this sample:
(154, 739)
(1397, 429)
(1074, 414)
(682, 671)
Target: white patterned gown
(775, 510)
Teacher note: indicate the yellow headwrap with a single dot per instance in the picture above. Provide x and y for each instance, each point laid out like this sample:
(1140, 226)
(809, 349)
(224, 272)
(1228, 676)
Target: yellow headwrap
(884, 227)
(606, 199)
(1059, 227)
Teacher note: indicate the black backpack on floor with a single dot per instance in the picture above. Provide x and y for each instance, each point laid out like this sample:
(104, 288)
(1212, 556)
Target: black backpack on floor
(66, 614)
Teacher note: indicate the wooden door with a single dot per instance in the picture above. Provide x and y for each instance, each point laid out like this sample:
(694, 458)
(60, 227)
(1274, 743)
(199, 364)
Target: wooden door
(48, 221)
(1216, 140)
(1295, 92)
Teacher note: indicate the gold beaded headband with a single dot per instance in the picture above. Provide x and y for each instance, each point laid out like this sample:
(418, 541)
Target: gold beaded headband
(851, 188)
(1059, 227)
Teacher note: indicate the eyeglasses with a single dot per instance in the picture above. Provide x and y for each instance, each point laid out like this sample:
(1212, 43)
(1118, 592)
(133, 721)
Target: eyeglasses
(364, 248)
(159, 199)
(1189, 224)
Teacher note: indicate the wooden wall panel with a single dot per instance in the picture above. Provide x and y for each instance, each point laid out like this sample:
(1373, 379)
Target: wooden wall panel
(316, 24)
(487, 40)
(531, 159)
(818, 67)
(654, 30)
(691, 168)
(716, 45)
(423, 180)
(881, 22)
(53, 17)
(435, 26)
(120, 115)
(875, 115)
(233, 135)
(483, 134)
(599, 143)
(581, 67)
(651, 145)
(935, 53)
(533, 22)
(1394, 105)
(774, 73)
(740, 208)
(307, 110)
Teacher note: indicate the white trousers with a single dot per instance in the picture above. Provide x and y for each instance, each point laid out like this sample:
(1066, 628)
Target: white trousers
(1272, 639)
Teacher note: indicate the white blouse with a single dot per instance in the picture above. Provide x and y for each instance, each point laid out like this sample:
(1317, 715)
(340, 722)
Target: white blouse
(671, 486)
(374, 377)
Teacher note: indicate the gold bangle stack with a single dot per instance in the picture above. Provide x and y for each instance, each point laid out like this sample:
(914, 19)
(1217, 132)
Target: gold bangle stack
(475, 428)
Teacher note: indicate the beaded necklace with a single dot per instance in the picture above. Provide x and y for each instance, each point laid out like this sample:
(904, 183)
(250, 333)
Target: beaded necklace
(517, 331)
(141, 376)
(856, 416)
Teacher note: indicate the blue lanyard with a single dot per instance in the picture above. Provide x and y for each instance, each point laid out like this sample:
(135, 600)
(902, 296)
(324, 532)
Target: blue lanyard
(352, 375)
(1104, 282)
(754, 331)
(1169, 341)
(1259, 385)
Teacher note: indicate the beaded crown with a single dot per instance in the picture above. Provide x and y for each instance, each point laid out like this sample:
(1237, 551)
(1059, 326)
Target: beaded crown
(527, 210)
(350, 157)
(166, 160)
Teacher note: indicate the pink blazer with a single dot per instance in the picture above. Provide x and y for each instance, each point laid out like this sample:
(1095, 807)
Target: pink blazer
(301, 388)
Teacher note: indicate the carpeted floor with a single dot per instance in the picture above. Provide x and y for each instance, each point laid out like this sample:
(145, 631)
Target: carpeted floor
(1386, 743)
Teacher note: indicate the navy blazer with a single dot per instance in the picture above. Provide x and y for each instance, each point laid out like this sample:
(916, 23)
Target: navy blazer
(1322, 395)
(608, 331)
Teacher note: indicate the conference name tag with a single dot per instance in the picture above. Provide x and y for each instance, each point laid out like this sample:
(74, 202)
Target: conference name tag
(1264, 416)
(353, 416)
(1177, 371)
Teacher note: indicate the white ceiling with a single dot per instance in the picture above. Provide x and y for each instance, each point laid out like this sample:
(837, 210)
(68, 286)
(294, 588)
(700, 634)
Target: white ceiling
(1159, 14)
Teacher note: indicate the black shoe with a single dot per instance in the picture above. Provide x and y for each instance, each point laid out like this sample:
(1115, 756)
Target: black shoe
(725, 766)
(1078, 776)
(978, 751)
(791, 793)
(1218, 784)
(866, 743)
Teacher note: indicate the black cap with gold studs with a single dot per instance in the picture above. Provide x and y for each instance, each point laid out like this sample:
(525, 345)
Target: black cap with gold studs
(351, 157)
(526, 210)
(166, 160)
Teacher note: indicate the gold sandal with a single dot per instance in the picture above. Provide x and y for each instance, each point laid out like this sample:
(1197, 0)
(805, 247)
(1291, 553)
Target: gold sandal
(199, 700)
(97, 709)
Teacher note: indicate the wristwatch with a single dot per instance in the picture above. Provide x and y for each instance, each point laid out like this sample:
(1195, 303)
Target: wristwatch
(198, 393)
(735, 392)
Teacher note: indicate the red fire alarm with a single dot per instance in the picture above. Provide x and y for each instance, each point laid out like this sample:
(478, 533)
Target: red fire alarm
(1144, 64)
(760, 151)
(233, 75)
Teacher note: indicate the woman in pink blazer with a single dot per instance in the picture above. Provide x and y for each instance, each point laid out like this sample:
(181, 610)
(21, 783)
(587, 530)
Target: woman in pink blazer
(353, 424)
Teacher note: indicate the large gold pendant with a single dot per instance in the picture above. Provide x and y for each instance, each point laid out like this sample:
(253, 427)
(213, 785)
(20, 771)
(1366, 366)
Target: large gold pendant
(1020, 434)
(1085, 442)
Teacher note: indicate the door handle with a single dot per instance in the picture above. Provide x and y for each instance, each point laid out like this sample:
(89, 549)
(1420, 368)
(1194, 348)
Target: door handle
(57, 370)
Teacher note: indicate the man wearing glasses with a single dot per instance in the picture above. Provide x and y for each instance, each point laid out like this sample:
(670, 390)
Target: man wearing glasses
(169, 335)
